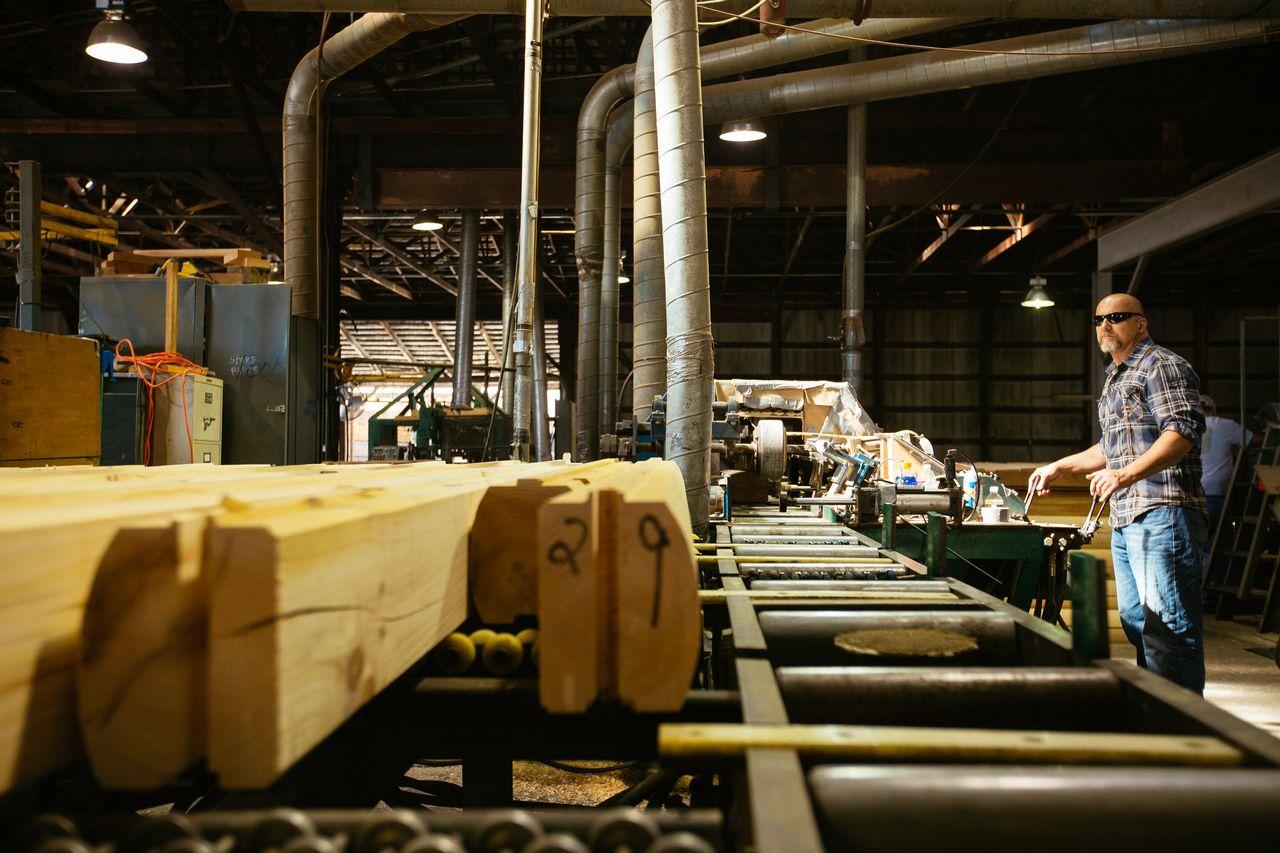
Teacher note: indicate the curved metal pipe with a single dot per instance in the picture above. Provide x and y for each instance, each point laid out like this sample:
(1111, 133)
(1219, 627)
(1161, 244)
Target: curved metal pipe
(1065, 9)
(682, 174)
(1059, 52)
(648, 288)
(365, 38)
(609, 90)
(617, 142)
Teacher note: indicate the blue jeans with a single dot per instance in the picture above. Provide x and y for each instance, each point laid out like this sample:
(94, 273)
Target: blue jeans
(1157, 559)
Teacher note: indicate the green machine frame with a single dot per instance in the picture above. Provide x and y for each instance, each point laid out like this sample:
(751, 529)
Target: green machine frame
(440, 432)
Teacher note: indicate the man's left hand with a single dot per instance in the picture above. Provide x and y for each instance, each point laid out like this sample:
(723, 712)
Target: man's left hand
(1103, 484)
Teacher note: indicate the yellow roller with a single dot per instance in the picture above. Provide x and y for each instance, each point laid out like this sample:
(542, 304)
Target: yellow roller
(528, 636)
(482, 637)
(455, 654)
(502, 655)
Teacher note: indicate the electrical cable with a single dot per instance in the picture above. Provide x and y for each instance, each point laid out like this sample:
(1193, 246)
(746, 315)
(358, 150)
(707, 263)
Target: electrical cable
(961, 174)
(148, 367)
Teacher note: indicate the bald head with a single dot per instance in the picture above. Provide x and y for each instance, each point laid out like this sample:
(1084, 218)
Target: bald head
(1119, 338)
(1120, 302)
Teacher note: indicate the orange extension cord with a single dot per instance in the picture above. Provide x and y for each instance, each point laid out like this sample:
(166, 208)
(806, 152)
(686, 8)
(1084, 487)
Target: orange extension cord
(149, 368)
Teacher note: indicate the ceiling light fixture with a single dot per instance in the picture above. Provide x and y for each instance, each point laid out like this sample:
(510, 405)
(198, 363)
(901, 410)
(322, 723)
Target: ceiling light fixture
(427, 221)
(746, 130)
(1037, 296)
(115, 40)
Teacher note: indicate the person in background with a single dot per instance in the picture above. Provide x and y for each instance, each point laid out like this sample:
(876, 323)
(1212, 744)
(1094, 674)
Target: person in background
(1218, 450)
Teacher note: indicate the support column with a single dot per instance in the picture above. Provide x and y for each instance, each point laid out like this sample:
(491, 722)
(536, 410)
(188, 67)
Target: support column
(854, 290)
(29, 290)
(527, 268)
(464, 330)
(1102, 286)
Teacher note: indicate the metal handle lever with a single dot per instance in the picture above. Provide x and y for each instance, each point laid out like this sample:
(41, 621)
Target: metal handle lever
(1032, 485)
(1092, 519)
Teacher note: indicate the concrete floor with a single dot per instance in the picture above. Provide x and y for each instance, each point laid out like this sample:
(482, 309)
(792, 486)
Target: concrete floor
(1239, 680)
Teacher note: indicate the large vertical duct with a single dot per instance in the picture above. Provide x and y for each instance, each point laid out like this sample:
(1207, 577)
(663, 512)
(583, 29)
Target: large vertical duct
(649, 309)
(540, 427)
(509, 227)
(465, 328)
(617, 142)
(682, 176)
(722, 60)
(854, 289)
(589, 182)
(368, 36)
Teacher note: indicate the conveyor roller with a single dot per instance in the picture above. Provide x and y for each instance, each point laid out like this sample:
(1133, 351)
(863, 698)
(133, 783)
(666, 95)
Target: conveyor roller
(1099, 809)
(1065, 698)
(809, 637)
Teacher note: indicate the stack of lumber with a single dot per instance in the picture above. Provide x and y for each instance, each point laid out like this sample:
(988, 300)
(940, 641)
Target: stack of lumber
(241, 266)
(1067, 503)
(151, 618)
(50, 400)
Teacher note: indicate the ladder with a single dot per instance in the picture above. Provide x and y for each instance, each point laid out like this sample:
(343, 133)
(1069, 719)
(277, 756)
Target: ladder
(1239, 568)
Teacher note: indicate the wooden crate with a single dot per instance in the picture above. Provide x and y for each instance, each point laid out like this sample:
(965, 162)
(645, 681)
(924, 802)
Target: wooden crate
(50, 400)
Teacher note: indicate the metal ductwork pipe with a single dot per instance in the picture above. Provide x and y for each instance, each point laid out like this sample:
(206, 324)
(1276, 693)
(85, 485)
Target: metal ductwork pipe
(541, 427)
(365, 38)
(509, 226)
(1041, 55)
(800, 9)
(648, 287)
(465, 328)
(854, 289)
(589, 182)
(617, 142)
(683, 179)
(725, 59)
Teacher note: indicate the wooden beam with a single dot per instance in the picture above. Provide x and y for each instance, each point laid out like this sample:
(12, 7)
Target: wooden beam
(1076, 244)
(401, 255)
(399, 344)
(806, 186)
(435, 333)
(951, 229)
(918, 743)
(617, 590)
(1022, 232)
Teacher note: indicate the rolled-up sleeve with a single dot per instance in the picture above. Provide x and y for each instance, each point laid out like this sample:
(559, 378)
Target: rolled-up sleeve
(1173, 394)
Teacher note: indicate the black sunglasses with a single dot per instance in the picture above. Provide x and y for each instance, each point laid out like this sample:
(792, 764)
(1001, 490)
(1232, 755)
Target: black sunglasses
(1115, 318)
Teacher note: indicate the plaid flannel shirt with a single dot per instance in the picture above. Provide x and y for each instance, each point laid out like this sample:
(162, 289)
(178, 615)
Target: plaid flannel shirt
(1151, 391)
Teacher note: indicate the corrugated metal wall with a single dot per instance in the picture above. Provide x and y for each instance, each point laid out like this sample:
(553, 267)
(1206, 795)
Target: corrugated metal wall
(1004, 383)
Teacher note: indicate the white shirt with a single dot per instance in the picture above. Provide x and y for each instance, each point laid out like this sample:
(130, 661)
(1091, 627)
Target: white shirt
(1218, 449)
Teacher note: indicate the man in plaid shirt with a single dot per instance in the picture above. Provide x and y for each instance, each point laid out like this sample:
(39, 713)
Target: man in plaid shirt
(1148, 464)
